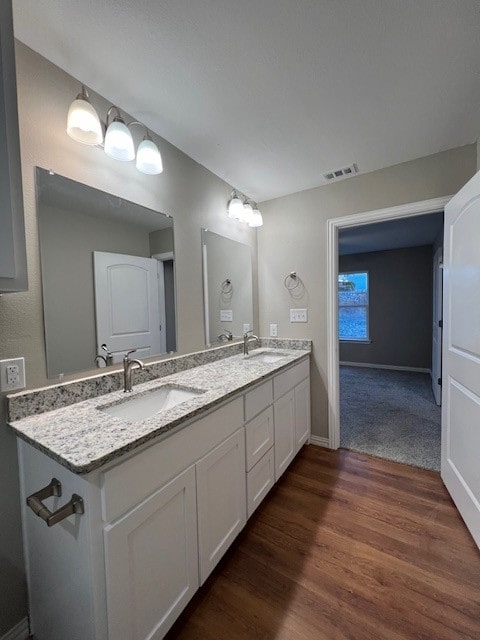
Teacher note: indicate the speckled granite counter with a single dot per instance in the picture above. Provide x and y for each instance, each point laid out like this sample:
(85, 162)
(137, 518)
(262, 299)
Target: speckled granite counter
(82, 438)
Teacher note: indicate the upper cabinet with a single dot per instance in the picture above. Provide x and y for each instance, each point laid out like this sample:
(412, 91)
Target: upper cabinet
(13, 261)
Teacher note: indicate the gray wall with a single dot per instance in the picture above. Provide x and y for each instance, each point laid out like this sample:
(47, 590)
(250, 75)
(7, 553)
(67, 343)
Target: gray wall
(190, 193)
(68, 240)
(161, 241)
(400, 307)
(294, 238)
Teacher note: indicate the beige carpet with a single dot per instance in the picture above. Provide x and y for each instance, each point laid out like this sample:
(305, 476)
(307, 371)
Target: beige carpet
(390, 414)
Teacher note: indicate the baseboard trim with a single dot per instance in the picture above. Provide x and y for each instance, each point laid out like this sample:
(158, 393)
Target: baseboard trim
(393, 367)
(320, 442)
(20, 631)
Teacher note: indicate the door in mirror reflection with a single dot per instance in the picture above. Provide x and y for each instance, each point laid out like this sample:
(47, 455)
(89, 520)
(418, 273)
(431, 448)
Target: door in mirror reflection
(127, 305)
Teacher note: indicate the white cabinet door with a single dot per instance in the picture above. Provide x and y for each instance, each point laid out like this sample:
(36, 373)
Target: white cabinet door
(13, 261)
(302, 413)
(284, 419)
(221, 498)
(151, 559)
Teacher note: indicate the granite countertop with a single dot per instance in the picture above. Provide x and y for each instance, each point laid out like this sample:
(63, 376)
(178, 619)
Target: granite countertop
(83, 438)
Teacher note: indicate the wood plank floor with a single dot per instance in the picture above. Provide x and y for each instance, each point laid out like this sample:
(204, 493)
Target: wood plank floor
(346, 546)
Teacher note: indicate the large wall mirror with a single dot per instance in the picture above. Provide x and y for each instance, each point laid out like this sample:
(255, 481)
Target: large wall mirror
(227, 287)
(107, 276)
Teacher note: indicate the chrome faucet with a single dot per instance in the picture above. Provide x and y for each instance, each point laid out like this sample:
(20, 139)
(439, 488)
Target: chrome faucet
(246, 339)
(128, 365)
(226, 335)
(107, 358)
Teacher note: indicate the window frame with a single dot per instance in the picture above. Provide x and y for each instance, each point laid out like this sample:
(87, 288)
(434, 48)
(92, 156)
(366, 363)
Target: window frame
(365, 340)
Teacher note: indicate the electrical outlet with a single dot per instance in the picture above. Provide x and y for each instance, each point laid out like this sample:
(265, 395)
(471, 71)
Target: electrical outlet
(246, 327)
(298, 315)
(273, 330)
(12, 374)
(226, 315)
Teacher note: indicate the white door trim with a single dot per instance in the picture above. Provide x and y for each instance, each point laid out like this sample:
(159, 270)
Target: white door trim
(333, 225)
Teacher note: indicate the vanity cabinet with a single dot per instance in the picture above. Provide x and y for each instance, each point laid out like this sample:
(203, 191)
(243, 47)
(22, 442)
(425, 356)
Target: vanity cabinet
(158, 519)
(151, 561)
(221, 495)
(13, 262)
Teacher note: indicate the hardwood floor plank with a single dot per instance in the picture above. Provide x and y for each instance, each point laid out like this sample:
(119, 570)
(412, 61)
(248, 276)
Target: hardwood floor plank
(345, 547)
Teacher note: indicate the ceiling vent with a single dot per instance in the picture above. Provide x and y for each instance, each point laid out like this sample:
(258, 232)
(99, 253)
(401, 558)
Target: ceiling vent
(340, 174)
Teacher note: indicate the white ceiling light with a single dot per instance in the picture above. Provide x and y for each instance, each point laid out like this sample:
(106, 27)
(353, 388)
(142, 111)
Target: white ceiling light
(149, 160)
(235, 208)
(256, 219)
(118, 139)
(247, 212)
(83, 123)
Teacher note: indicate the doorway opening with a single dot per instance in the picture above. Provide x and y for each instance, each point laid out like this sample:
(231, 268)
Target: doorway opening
(384, 346)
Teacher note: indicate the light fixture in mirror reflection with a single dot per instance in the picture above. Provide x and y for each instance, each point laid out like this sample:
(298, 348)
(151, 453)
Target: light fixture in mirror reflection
(107, 276)
(227, 287)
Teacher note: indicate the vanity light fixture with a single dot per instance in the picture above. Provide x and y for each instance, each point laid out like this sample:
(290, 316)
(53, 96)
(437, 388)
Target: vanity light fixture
(83, 123)
(256, 219)
(149, 160)
(235, 207)
(244, 211)
(118, 139)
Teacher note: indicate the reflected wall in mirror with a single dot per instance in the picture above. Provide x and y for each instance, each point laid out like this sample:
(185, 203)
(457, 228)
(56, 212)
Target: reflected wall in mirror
(227, 287)
(107, 276)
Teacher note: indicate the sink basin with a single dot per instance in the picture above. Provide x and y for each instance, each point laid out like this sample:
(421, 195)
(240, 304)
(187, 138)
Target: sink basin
(267, 357)
(144, 406)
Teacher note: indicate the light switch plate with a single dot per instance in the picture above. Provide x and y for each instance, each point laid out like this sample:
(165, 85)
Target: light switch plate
(12, 374)
(226, 315)
(273, 330)
(298, 315)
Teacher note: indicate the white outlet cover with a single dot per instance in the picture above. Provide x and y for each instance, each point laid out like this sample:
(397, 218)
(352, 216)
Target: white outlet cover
(19, 383)
(246, 327)
(273, 330)
(226, 315)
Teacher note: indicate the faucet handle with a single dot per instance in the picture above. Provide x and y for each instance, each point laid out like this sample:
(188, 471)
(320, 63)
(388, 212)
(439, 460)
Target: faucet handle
(245, 335)
(127, 355)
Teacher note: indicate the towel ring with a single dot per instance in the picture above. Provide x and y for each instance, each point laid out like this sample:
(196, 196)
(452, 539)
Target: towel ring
(227, 286)
(293, 278)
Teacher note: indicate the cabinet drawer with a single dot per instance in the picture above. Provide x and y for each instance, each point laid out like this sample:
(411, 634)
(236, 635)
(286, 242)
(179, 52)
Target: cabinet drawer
(259, 436)
(260, 480)
(290, 378)
(131, 481)
(258, 399)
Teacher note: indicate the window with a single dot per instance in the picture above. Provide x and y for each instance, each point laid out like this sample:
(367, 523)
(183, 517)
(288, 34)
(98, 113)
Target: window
(353, 306)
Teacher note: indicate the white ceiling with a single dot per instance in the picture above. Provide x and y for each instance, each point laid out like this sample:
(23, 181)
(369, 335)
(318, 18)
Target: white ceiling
(394, 234)
(270, 94)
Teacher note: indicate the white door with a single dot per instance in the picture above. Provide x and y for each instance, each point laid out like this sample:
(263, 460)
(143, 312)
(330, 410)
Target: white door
(437, 326)
(152, 562)
(461, 354)
(222, 500)
(127, 304)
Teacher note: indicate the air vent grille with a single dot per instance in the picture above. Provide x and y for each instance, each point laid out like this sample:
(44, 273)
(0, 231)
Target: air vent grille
(340, 174)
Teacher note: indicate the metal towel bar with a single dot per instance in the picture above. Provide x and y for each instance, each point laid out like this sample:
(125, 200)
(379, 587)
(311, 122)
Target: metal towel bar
(74, 506)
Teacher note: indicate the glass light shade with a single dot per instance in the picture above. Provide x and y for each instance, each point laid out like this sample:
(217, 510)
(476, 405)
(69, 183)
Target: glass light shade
(247, 213)
(149, 160)
(256, 220)
(119, 141)
(235, 208)
(83, 123)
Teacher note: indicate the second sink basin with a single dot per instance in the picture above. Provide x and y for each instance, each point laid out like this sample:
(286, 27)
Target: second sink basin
(148, 404)
(266, 357)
